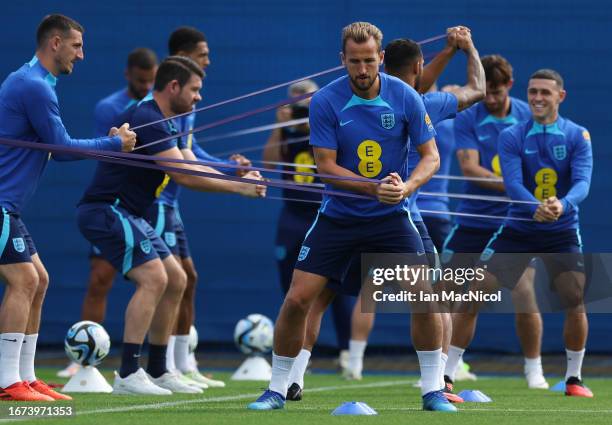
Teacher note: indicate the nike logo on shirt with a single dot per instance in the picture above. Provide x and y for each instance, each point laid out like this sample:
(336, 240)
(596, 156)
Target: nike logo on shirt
(483, 138)
(343, 123)
(530, 152)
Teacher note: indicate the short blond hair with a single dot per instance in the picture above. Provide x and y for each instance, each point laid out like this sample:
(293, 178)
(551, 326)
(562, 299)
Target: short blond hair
(360, 32)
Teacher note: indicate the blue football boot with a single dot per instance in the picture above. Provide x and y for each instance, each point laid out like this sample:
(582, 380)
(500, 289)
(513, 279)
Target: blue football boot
(269, 400)
(435, 401)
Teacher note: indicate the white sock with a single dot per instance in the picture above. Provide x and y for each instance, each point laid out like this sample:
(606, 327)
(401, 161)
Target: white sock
(181, 353)
(429, 362)
(455, 355)
(281, 366)
(533, 366)
(10, 349)
(356, 352)
(26, 358)
(443, 360)
(193, 363)
(299, 368)
(574, 363)
(170, 365)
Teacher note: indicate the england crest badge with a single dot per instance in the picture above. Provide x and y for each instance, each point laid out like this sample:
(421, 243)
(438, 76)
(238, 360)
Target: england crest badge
(387, 121)
(560, 152)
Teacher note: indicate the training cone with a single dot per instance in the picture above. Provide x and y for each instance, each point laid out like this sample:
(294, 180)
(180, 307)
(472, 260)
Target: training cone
(474, 396)
(559, 387)
(87, 380)
(253, 369)
(354, 408)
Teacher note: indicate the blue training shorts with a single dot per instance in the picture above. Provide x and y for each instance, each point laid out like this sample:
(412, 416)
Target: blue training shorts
(16, 244)
(438, 229)
(560, 251)
(330, 243)
(351, 283)
(167, 223)
(463, 239)
(123, 239)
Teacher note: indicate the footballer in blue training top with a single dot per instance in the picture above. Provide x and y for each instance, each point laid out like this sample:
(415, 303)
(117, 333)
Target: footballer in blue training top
(404, 60)
(362, 125)
(476, 138)
(140, 75)
(164, 215)
(478, 129)
(111, 217)
(547, 160)
(29, 111)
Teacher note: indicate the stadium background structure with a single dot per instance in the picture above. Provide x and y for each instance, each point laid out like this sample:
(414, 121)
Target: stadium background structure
(260, 43)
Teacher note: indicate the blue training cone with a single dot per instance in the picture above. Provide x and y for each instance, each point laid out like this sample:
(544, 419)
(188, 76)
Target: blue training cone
(559, 387)
(354, 408)
(474, 396)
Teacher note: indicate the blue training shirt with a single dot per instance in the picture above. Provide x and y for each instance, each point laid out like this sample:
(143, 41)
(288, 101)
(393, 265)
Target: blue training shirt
(134, 187)
(539, 161)
(371, 137)
(169, 191)
(109, 109)
(440, 106)
(29, 111)
(445, 140)
(476, 129)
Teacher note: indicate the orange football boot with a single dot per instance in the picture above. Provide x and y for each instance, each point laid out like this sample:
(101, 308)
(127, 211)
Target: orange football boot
(43, 388)
(450, 395)
(21, 391)
(575, 387)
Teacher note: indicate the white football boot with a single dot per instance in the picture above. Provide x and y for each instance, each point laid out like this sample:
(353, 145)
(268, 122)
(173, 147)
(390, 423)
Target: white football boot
(352, 375)
(189, 381)
(536, 380)
(138, 383)
(203, 380)
(172, 381)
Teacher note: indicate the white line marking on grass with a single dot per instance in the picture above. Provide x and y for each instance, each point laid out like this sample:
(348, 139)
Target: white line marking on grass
(156, 406)
(236, 397)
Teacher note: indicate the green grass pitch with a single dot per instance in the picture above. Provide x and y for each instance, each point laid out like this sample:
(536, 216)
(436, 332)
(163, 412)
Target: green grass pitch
(393, 396)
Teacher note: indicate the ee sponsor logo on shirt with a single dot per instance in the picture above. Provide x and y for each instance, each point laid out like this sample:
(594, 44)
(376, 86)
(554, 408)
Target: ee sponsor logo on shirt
(545, 179)
(369, 152)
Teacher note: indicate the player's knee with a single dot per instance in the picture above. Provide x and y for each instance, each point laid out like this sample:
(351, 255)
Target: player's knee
(101, 280)
(26, 284)
(570, 289)
(297, 303)
(154, 281)
(520, 292)
(177, 281)
(43, 282)
(572, 297)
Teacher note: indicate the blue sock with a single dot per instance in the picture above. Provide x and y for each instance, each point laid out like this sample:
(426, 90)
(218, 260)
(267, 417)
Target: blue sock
(157, 360)
(129, 359)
